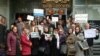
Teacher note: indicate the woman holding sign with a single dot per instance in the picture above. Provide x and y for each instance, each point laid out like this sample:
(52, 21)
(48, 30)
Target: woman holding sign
(90, 40)
(32, 26)
(45, 43)
(35, 36)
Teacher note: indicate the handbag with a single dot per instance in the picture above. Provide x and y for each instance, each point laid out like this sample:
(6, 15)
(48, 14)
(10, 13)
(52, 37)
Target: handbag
(63, 49)
(72, 50)
(83, 45)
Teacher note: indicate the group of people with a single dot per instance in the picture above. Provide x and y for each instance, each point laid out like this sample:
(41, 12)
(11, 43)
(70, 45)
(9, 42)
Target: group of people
(61, 39)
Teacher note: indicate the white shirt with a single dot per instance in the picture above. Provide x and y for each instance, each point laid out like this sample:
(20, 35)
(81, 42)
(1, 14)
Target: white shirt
(58, 40)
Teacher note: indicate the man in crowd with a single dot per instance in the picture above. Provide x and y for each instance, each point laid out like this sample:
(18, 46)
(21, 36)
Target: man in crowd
(90, 40)
(20, 25)
(2, 36)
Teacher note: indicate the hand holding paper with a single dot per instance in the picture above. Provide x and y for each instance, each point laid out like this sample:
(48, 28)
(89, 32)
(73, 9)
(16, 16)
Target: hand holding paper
(48, 37)
(54, 19)
(90, 33)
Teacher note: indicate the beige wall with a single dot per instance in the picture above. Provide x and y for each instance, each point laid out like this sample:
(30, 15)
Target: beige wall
(4, 9)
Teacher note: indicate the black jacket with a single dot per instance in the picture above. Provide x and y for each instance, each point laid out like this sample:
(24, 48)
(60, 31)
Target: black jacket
(2, 36)
(90, 40)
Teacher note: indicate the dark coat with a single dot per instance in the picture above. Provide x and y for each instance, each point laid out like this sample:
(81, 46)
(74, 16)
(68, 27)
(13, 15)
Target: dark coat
(90, 40)
(54, 50)
(2, 36)
(35, 45)
(63, 46)
(62, 39)
(46, 44)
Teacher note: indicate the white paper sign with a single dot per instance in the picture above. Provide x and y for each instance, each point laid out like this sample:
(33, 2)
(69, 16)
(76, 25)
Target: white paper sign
(81, 18)
(48, 37)
(58, 40)
(29, 17)
(90, 33)
(35, 35)
(54, 19)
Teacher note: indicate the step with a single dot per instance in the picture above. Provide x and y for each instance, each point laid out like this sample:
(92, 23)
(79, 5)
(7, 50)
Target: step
(96, 46)
(96, 55)
(96, 52)
(97, 43)
(96, 49)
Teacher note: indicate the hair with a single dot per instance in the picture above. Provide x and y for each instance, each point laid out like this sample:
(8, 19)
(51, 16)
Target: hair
(69, 29)
(36, 28)
(13, 27)
(45, 20)
(24, 28)
(32, 22)
(46, 27)
(80, 29)
(88, 24)
(2, 18)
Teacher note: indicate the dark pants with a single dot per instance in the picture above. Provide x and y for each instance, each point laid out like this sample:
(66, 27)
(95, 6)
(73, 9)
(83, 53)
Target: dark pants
(41, 54)
(34, 55)
(71, 55)
(26, 55)
(2, 52)
(58, 52)
(63, 55)
(86, 52)
(47, 55)
(11, 55)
